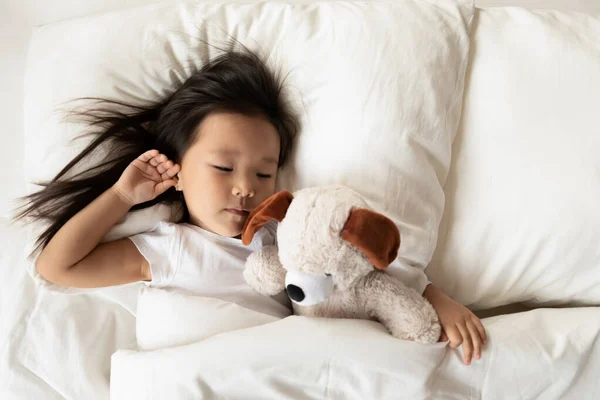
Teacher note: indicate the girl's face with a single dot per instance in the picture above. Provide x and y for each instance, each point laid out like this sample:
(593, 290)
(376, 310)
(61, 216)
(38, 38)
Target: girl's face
(229, 170)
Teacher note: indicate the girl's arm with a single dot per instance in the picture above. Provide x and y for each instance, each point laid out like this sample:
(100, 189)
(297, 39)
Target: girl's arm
(75, 257)
(460, 326)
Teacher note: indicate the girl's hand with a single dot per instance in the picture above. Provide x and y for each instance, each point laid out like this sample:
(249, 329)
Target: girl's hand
(148, 176)
(459, 324)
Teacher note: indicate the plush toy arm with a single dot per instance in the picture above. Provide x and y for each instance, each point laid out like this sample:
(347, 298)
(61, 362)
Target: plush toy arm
(401, 309)
(264, 273)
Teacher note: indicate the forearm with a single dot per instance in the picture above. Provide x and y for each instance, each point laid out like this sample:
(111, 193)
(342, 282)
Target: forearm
(84, 231)
(435, 295)
(431, 291)
(438, 298)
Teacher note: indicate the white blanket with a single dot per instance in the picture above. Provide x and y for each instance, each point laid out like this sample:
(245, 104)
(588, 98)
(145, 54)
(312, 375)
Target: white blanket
(546, 353)
(54, 346)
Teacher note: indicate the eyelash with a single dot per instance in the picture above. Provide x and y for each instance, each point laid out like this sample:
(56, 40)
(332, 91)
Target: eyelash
(225, 169)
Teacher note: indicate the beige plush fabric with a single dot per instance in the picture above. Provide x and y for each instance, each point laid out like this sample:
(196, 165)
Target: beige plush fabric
(331, 276)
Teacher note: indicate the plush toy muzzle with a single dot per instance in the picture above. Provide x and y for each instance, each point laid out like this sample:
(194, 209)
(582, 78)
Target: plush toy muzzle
(308, 289)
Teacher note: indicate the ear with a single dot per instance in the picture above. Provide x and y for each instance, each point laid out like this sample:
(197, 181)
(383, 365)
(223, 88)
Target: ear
(375, 234)
(179, 184)
(275, 207)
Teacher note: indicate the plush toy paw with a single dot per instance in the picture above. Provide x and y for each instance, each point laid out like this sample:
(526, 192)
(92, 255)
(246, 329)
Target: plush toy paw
(405, 313)
(264, 273)
(426, 328)
(415, 320)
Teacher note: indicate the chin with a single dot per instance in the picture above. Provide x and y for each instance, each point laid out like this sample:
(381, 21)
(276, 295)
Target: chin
(230, 231)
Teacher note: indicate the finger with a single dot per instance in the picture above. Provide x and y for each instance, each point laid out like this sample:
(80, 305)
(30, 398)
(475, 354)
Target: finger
(443, 337)
(467, 345)
(147, 169)
(148, 155)
(475, 338)
(163, 186)
(171, 172)
(155, 161)
(162, 167)
(480, 328)
(455, 337)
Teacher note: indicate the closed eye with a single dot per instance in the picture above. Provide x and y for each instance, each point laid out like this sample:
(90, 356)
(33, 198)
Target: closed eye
(224, 169)
(264, 176)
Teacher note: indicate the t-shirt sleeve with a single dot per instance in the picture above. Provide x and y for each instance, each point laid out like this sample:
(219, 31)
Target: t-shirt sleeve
(270, 236)
(413, 277)
(161, 247)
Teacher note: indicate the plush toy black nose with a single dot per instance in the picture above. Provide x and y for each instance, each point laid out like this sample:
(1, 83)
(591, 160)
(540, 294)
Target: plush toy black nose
(295, 293)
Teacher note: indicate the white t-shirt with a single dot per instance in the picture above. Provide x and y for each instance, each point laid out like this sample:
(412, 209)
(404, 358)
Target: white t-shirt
(190, 259)
(413, 277)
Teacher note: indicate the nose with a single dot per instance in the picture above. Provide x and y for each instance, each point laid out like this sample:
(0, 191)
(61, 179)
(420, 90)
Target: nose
(243, 188)
(295, 293)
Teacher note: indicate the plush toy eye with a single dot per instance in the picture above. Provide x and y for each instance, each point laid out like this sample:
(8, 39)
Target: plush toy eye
(306, 289)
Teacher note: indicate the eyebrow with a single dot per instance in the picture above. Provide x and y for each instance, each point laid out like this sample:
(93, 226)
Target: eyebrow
(268, 160)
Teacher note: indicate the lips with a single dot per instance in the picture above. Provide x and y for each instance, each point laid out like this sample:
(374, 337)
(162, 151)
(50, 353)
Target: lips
(238, 211)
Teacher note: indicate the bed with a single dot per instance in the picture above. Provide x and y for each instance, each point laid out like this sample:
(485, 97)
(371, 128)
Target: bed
(516, 237)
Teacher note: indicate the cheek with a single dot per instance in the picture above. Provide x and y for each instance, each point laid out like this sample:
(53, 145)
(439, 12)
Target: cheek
(215, 188)
(266, 189)
(203, 188)
(269, 189)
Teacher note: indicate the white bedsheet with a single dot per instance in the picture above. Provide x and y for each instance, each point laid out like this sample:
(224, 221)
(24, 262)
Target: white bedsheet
(545, 354)
(52, 345)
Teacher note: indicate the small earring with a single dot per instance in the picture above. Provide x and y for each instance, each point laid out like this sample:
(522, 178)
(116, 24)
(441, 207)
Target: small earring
(178, 184)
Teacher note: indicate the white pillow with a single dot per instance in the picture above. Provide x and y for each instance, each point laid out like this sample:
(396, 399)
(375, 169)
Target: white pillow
(522, 212)
(168, 319)
(379, 110)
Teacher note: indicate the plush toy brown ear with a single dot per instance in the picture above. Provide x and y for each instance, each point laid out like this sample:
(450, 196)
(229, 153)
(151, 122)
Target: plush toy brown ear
(275, 207)
(375, 234)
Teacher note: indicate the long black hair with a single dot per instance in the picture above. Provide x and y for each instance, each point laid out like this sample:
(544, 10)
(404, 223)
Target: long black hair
(235, 81)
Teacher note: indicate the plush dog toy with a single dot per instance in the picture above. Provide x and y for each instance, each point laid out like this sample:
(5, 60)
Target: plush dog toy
(330, 255)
